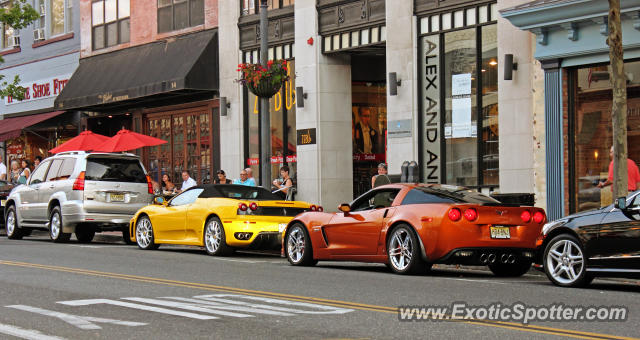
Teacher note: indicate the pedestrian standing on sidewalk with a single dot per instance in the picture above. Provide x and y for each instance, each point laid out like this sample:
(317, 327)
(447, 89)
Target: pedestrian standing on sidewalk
(633, 174)
(222, 178)
(244, 179)
(14, 173)
(24, 174)
(188, 182)
(284, 183)
(382, 170)
(37, 161)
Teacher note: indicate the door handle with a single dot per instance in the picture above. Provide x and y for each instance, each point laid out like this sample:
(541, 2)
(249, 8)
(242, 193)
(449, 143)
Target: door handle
(51, 186)
(386, 211)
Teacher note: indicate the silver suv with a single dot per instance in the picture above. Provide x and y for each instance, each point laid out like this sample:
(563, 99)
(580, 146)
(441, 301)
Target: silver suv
(81, 193)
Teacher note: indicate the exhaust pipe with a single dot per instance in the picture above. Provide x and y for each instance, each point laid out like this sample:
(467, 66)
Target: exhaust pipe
(511, 258)
(483, 258)
(491, 258)
(504, 258)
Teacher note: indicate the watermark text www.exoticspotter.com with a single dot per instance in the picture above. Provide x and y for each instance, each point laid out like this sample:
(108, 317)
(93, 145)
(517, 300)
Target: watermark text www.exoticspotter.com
(518, 312)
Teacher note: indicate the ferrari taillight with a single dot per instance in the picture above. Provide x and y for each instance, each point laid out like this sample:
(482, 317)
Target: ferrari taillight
(78, 184)
(525, 216)
(471, 214)
(455, 214)
(242, 207)
(253, 206)
(538, 217)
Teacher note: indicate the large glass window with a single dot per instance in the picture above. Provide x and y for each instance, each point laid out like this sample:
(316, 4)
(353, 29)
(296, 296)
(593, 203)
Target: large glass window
(282, 109)
(178, 14)
(593, 132)
(110, 23)
(7, 31)
(253, 6)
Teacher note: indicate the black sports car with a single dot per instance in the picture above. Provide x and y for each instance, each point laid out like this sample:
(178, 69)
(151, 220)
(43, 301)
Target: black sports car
(602, 242)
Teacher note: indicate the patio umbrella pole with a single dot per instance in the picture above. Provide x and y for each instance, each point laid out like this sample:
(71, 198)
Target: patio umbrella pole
(265, 119)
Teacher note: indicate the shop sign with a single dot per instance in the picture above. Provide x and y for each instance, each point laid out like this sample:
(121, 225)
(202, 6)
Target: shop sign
(430, 94)
(40, 89)
(253, 161)
(366, 157)
(306, 136)
(274, 160)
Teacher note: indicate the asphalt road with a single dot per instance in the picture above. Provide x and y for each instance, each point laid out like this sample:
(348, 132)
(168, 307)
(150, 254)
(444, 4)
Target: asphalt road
(109, 290)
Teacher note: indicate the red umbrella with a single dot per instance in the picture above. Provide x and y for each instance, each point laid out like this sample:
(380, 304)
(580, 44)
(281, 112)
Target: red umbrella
(85, 141)
(126, 140)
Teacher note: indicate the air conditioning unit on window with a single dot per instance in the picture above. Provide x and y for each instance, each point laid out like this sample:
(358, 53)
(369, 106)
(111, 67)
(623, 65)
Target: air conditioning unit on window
(14, 41)
(38, 34)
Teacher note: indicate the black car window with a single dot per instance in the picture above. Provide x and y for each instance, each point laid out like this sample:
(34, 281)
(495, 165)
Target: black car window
(186, 197)
(239, 192)
(417, 196)
(375, 199)
(457, 194)
(114, 170)
(39, 173)
(67, 168)
(52, 174)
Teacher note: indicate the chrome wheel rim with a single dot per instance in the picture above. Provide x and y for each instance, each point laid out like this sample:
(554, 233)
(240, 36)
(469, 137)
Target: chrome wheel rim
(11, 223)
(144, 233)
(213, 236)
(400, 249)
(55, 225)
(296, 244)
(565, 261)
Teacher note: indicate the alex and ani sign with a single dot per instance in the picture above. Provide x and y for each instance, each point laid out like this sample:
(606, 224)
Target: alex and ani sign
(41, 89)
(430, 94)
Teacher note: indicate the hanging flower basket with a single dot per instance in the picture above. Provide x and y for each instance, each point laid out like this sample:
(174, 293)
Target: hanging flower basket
(262, 81)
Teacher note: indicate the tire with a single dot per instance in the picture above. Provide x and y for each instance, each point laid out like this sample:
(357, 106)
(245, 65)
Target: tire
(14, 232)
(515, 269)
(215, 239)
(565, 263)
(403, 252)
(85, 233)
(55, 226)
(298, 248)
(144, 234)
(125, 236)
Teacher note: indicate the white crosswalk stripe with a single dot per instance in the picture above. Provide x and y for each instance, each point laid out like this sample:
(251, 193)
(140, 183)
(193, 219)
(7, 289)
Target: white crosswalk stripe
(23, 333)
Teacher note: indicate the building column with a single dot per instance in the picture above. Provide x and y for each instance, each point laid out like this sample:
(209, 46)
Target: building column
(231, 132)
(401, 54)
(325, 169)
(554, 141)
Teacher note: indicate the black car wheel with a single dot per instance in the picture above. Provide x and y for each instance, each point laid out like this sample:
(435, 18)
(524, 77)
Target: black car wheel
(515, 269)
(403, 251)
(297, 247)
(565, 263)
(85, 233)
(14, 232)
(55, 226)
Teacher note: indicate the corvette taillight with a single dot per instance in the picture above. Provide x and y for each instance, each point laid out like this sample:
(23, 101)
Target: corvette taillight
(78, 184)
(525, 216)
(253, 206)
(320, 209)
(471, 214)
(538, 217)
(313, 208)
(455, 214)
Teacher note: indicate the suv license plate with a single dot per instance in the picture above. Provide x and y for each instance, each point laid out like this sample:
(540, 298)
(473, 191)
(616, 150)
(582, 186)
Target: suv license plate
(117, 197)
(500, 232)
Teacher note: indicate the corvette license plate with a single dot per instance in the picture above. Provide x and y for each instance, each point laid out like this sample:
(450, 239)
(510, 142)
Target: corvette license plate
(500, 232)
(117, 197)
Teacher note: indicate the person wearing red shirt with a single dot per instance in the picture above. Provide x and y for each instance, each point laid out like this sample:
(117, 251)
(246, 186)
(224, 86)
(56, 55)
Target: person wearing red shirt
(633, 174)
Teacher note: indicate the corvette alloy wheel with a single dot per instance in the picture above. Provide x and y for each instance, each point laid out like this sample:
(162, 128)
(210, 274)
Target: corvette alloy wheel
(400, 252)
(298, 247)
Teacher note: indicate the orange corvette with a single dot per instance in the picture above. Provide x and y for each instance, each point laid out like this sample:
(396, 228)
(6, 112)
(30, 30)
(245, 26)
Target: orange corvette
(409, 227)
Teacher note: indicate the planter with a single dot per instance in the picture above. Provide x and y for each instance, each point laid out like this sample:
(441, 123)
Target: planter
(266, 88)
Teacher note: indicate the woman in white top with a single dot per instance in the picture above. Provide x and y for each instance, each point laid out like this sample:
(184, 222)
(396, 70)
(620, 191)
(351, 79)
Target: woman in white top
(24, 174)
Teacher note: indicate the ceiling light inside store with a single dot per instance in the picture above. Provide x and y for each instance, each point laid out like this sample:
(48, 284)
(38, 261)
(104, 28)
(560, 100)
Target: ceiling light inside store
(493, 62)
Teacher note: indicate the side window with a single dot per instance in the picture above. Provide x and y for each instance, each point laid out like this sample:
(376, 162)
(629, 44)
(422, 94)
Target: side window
(416, 196)
(38, 174)
(52, 174)
(186, 197)
(67, 168)
(375, 199)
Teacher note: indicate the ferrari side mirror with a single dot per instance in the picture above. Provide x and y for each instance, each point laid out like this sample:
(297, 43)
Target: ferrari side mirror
(344, 207)
(159, 200)
(621, 203)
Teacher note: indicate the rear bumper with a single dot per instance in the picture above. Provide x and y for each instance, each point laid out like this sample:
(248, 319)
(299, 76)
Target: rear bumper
(482, 256)
(262, 234)
(73, 214)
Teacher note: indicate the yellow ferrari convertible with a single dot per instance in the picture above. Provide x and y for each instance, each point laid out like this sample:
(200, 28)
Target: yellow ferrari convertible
(220, 217)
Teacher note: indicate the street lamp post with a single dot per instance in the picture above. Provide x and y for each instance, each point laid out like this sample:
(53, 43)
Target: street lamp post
(265, 119)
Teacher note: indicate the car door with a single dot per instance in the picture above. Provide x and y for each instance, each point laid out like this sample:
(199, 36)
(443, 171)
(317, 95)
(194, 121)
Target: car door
(170, 222)
(618, 242)
(29, 195)
(47, 189)
(358, 231)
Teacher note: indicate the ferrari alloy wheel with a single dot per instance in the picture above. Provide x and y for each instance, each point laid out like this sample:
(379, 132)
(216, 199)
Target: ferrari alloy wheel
(298, 246)
(215, 239)
(564, 262)
(403, 250)
(11, 224)
(55, 226)
(144, 234)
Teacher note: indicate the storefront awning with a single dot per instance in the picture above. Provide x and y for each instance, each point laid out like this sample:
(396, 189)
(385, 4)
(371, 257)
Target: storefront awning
(181, 65)
(12, 127)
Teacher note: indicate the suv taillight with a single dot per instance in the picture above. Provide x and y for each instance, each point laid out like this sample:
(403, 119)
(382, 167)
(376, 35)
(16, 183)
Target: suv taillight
(78, 184)
(149, 185)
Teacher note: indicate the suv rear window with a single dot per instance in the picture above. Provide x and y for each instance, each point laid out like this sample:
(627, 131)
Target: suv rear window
(114, 170)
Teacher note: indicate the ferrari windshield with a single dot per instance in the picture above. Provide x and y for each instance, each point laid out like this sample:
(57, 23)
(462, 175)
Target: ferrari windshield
(239, 192)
